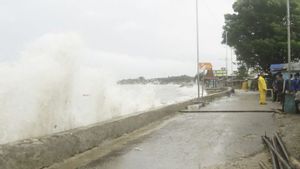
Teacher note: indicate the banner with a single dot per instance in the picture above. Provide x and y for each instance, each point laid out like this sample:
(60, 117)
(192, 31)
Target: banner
(220, 73)
(205, 66)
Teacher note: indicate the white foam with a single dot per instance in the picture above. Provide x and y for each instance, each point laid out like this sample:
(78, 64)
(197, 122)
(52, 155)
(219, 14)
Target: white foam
(59, 84)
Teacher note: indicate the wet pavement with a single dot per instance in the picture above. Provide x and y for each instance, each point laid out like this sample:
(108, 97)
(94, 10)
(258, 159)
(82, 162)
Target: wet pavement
(197, 140)
(242, 101)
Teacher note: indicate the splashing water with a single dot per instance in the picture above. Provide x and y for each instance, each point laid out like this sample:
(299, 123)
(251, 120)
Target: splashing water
(55, 85)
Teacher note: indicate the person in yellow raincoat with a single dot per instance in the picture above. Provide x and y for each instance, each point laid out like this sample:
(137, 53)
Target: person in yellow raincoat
(262, 88)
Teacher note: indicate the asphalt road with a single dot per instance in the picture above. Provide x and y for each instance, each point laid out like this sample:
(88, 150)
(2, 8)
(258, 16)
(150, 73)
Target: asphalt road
(197, 140)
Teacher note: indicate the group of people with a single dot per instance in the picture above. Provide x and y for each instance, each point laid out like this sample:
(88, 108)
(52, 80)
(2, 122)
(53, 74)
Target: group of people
(294, 83)
(280, 87)
(292, 86)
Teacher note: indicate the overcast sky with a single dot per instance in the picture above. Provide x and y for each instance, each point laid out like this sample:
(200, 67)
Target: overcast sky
(150, 37)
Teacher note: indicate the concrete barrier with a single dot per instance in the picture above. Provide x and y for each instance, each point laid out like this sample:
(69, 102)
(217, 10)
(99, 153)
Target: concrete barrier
(42, 152)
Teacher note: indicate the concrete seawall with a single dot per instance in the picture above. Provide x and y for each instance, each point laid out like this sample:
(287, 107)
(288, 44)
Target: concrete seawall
(42, 152)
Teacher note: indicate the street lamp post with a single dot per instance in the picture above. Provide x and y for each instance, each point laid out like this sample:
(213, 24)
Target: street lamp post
(197, 32)
(226, 59)
(231, 62)
(289, 34)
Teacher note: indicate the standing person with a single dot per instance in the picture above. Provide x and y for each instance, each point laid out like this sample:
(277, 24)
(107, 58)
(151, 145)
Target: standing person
(297, 101)
(280, 88)
(288, 88)
(295, 83)
(262, 88)
(292, 85)
(275, 88)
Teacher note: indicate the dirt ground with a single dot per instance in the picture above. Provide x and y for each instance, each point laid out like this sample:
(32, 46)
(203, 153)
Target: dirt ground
(247, 162)
(289, 128)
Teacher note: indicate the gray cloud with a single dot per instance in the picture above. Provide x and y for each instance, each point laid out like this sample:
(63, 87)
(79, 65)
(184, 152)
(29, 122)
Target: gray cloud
(156, 30)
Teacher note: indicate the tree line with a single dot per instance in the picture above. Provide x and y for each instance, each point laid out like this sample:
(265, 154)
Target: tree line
(257, 31)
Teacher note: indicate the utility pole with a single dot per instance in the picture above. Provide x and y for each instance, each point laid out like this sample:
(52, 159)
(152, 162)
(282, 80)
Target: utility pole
(226, 62)
(289, 34)
(197, 32)
(231, 60)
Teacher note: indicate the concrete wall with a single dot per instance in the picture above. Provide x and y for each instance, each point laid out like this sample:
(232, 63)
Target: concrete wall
(42, 152)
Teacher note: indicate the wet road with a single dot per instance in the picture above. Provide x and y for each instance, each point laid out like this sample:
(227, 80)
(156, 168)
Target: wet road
(196, 140)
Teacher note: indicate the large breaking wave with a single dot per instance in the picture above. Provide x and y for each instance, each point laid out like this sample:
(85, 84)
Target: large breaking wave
(57, 84)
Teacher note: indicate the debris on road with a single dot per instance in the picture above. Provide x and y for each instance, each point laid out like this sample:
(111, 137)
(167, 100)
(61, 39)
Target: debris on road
(138, 149)
(263, 165)
(279, 155)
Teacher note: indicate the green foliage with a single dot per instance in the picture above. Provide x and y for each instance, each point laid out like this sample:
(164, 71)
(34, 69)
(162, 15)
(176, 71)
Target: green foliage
(257, 30)
(242, 72)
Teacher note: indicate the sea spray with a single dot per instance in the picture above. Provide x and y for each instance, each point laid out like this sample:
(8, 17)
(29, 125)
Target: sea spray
(58, 83)
(36, 89)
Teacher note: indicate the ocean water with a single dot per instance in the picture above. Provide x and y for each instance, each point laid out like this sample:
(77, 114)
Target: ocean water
(161, 94)
(57, 84)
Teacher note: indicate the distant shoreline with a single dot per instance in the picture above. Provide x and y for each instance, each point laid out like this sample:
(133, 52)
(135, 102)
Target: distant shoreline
(180, 80)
